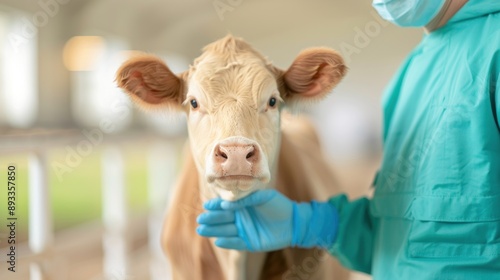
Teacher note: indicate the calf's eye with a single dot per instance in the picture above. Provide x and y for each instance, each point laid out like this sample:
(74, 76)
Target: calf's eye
(194, 103)
(272, 102)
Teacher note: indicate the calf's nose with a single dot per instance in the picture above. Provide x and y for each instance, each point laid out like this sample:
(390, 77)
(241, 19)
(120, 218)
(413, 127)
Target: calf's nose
(236, 159)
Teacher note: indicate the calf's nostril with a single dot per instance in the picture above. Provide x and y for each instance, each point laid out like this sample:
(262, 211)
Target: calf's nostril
(222, 154)
(219, 152)
(251, 154)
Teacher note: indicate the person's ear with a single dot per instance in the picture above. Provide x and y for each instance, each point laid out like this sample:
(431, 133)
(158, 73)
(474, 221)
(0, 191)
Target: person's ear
(149, 82)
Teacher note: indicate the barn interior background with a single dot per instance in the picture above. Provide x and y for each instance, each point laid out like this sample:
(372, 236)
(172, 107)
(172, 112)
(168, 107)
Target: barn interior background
(94, 175)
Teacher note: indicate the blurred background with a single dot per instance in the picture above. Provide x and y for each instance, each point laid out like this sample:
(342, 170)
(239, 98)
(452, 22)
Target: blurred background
(94, 174)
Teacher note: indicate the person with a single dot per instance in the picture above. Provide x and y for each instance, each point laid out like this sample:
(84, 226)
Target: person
(435, 213)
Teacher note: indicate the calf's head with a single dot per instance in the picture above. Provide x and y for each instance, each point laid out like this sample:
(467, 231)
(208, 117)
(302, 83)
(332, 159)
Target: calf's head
(233, 98)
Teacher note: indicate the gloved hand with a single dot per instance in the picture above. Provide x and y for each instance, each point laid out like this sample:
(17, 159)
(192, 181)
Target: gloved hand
(267, 220)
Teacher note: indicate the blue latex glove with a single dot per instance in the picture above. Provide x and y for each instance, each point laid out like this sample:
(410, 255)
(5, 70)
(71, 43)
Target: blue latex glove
(267, 220)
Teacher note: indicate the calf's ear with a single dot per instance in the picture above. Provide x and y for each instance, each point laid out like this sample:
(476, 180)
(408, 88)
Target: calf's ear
(312, 75)
(150, 83)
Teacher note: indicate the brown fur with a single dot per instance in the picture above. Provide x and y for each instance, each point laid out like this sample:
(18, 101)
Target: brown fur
(191, 256)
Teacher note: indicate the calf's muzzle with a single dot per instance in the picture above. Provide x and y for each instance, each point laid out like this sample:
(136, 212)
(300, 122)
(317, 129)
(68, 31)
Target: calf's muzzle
(236, 160)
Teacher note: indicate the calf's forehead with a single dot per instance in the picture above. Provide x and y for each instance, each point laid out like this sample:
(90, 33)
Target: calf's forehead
(243, 79)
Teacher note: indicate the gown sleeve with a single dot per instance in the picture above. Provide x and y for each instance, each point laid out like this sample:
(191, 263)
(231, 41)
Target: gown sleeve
(353, 246)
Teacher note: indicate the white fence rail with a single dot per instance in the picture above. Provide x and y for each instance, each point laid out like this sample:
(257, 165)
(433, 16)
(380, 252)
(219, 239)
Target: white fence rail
(106, 250)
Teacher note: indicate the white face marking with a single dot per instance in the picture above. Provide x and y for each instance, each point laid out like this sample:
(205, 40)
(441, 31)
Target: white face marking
(233, 104)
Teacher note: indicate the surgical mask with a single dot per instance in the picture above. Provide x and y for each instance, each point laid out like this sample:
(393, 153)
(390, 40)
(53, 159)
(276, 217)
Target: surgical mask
(410, 13)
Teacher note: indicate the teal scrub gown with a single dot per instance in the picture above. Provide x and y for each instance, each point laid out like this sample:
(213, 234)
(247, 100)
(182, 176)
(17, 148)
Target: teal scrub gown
(435, 213)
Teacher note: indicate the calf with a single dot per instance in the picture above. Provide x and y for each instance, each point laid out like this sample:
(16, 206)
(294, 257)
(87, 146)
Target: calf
(239, 142)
